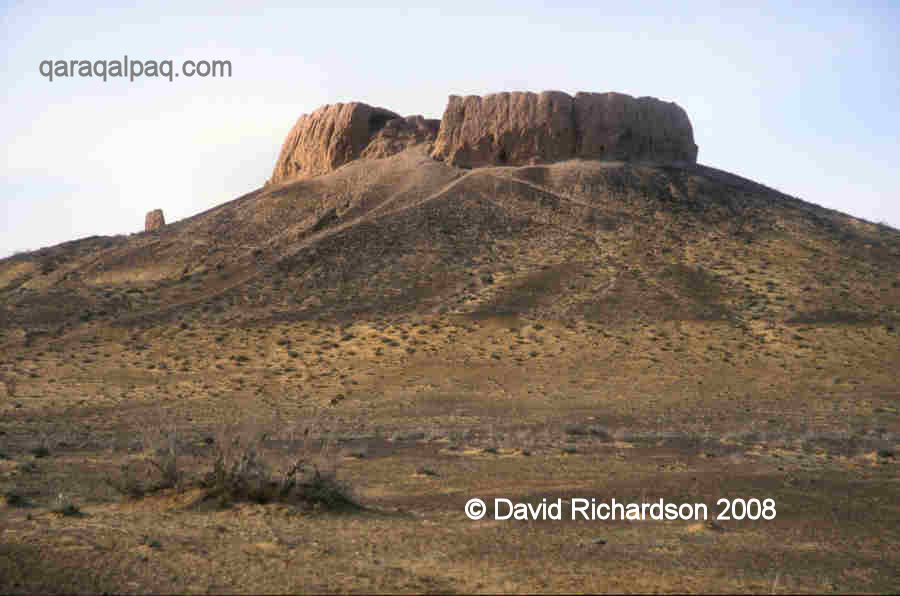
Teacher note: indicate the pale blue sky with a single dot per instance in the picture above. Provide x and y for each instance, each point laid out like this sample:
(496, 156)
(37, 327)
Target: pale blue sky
(799, 96)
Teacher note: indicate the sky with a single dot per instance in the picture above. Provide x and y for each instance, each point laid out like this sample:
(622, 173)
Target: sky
(802, 97)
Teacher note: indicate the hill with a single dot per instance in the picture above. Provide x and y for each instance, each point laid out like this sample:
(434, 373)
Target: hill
(540, 296)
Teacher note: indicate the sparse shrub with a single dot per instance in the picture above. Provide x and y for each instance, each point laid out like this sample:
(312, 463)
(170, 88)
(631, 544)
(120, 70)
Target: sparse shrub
(241, 473)
(14, 499)
(41, 451)
(242, 470)
(65, 507)
(151, 542)
(323, 488)
(161, 470)
(600, 433)
(576, 429)
(166, 461)
(68, 510)
(414, 435)
(128, 483)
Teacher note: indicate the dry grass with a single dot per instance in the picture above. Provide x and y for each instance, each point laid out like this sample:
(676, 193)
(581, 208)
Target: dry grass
(580, 329)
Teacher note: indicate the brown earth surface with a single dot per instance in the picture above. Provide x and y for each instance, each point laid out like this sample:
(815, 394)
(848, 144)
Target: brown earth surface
(581, 329)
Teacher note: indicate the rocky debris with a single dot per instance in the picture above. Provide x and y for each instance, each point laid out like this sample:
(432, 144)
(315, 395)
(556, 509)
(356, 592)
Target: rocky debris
(523, 128)
(401, 133)
(154, 220)
(336, 134)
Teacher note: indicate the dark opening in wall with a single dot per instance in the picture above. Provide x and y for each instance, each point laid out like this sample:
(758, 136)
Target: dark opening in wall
(377, 121)
(502, 157)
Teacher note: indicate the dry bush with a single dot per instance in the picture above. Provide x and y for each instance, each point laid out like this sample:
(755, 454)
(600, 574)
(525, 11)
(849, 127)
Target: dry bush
(244, 470)
(166, 458)
(248, 465)
(128, 482)
(162, 469)
(64, 506)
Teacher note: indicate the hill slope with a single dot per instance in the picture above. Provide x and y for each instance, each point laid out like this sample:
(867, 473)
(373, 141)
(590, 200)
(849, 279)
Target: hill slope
(579, 328)
(604, 241)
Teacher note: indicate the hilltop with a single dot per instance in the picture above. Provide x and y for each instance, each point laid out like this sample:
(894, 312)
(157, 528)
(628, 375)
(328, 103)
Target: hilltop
(367, 214)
